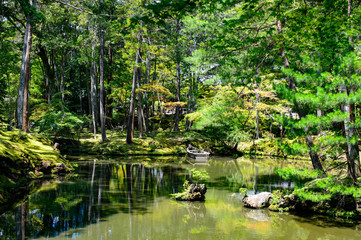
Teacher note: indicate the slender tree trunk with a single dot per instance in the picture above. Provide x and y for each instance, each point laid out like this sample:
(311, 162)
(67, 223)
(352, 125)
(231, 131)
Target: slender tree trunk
(48, 71)
(47, 89)
(93, 91)
(292, 86)
(26, 124)
(257, 112)
(88, 89)
(22, 100)
(20, 218)
(55, 72)
(176, 123)
(147, 77)
(140, 105)
(80, 92)
(154, 80)
(189, 108)
(9, 95)
(101, 93)
(109, 99)
(62, 78)
(130, 129)
(352, 153)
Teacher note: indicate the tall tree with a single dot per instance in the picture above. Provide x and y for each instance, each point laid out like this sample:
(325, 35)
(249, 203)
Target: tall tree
(25, 72)
(101, 70)
(292, 86)
(178, 56)
(93, 89)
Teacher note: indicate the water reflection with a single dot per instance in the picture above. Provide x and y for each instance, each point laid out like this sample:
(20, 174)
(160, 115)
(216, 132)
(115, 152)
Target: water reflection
(130, 200)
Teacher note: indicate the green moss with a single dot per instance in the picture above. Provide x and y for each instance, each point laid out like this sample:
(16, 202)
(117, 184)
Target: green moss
(24, 154)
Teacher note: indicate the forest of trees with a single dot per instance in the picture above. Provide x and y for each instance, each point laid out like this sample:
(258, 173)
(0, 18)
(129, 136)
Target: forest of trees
(236, 71)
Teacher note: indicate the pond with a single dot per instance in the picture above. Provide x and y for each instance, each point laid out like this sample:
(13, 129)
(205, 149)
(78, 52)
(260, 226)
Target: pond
(128, 198)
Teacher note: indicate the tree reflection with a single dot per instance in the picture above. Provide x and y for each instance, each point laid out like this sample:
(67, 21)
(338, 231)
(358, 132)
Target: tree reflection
(98, 191)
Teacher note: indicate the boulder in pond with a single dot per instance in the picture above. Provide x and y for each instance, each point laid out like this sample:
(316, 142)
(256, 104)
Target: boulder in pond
(261, 200)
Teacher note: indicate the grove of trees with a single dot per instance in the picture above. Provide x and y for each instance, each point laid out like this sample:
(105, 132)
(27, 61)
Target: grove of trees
(286, 71)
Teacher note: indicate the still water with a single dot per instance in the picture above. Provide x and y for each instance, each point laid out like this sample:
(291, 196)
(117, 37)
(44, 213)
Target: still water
(129, 199)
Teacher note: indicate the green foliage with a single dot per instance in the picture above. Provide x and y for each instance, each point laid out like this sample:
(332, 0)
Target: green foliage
(313, 196)
(199, 175)
(294, 174)
(61, 123)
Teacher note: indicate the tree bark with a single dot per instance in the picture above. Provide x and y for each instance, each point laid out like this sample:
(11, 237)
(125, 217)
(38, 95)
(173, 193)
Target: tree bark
(88, 89)
(109, 99)
(176, 123)
(140, 105)
(20, 220)
(80, 92)
(42, 53)
(93, 91)
(130, 129)
(349, 130)
(9, 96)
(352, 151)
(55, 72)
(189, 108)
(23, 89)
(292, 86)
(101, 91)
(147, 77)
(62, 78)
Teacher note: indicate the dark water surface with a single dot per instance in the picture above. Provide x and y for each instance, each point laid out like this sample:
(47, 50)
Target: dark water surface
(129, 199)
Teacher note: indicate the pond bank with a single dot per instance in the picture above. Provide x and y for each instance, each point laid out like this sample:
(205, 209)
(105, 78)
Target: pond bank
(163, 144)
(26, 156)
(314, 193)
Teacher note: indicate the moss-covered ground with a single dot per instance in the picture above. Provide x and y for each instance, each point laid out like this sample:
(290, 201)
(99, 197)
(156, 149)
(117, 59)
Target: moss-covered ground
(156, 144)
(26, 154)
(335, 195)
(164, 143)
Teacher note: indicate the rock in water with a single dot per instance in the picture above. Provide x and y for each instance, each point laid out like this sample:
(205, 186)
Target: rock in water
(261, 200)
(195, 192)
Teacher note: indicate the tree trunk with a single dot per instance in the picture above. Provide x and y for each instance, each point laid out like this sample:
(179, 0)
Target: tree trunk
(9, 96)
(80, 92)
(189, 108)
(62, 79)
(350, 131)
(55, 72)
(88, 89)
(23, 89)
(292, 86)
(140, 107)
(26, 125)
(20, 220)
(48, 71)
(93, 91)
(257, 112)
(130, 129)
(176, 123)
(257, 124)
(109, 99)
(154, 80)
(147, 77)
(101, 92)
